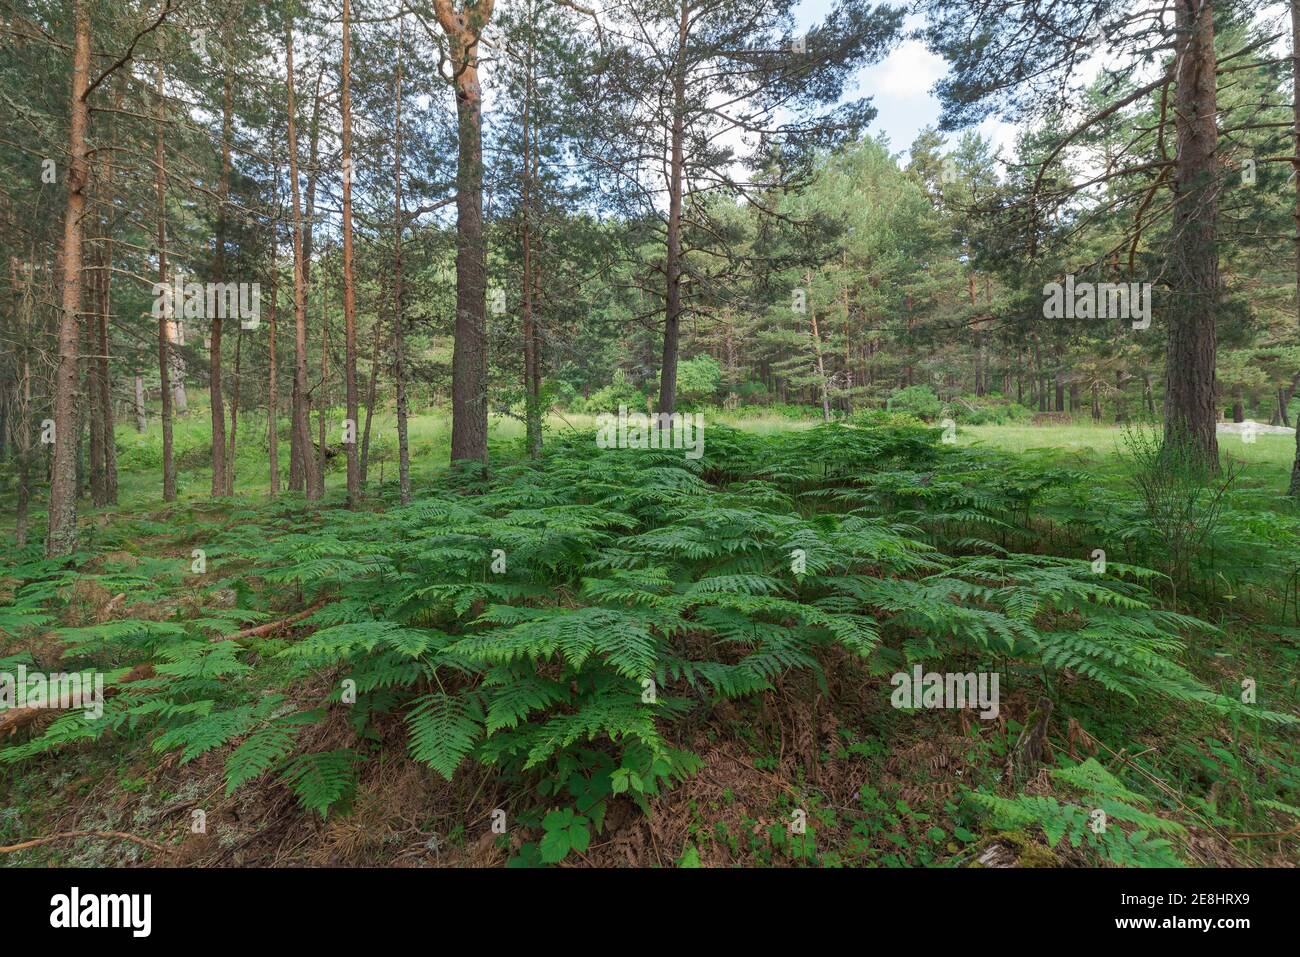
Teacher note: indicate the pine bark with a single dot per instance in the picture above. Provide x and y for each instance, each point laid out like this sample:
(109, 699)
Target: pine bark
(301, 428)
(272, 379)
(1295, 106)
(216, 398)
(532, 377)
(399, 319)
(1190, 408)
(469, 361)
(349, 289)
(165, 319)
(673, 256)
(61, 535)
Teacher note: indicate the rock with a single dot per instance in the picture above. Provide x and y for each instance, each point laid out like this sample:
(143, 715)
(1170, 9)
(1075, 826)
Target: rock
(1259, 428)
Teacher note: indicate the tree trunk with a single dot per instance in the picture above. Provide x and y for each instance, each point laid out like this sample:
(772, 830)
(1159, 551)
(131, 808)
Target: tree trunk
(1057, 379)
(322, 406)
(1190, 407)
(301, 429)
(109, 440)
(673, 255)
(370, 401)
(399, 320)
(1295, 107)
(169, 307)
(821, 367)
(61, 537)
(95, 394)
(272, 382)
(216, 399)
(141, 422)
(469, 361)
(108, 436)
(20, 410)
(532, 380)
(349, 292)
(300, 453)
(234, 414)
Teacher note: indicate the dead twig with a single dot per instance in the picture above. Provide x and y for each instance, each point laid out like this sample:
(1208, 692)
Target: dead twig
(120, 835)
(262, 630)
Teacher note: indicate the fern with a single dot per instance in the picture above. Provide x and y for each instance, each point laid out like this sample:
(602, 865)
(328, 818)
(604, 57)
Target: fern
(1089, 825)
(322, 779)
(265, 748)
(444, 729)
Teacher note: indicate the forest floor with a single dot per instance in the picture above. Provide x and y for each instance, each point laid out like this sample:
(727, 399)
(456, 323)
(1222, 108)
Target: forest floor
(876, 786)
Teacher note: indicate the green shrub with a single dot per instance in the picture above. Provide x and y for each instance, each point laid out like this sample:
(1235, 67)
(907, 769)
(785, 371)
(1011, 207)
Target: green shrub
(698, 379)
(620, 391)
(874, 418)
(988, 410)
(918, 400)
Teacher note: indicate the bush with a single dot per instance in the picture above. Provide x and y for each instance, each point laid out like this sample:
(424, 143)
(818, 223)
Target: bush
(556, 393)
(876, 418)
(988, 410)
(620, 391)
(698, 379)
(752, 393)
(796, 413)
(919, 400)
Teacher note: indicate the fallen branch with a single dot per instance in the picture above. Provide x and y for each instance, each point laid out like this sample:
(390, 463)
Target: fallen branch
(14, 718)
(122, 835)
(261, 631)
(1289, 831)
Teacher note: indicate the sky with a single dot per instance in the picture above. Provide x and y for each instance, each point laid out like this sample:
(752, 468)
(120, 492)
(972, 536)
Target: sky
(900, 85)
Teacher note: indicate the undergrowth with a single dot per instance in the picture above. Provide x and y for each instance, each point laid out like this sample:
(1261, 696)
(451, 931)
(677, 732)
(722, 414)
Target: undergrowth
(556, 621)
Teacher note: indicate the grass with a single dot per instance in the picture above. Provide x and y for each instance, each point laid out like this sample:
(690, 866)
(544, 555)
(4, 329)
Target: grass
(1269, 456)
(1082, 444)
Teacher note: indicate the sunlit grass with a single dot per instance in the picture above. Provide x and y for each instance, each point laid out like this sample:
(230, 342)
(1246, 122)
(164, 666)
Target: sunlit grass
(1267, 460)
(1082, 444)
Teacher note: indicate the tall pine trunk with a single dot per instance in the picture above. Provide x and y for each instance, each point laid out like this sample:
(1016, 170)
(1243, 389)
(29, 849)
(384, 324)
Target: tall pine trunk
(272, 382)
(469, 361)
(322, 406)
(399, 319)
(169, 307)
(234, 413)
(301, 428)
(1295, 106)
(95, 394)
(220, 485)
(103, 378)
(1190, 407)
(61, 536)
(370, 401)
(532, 377)
(349, 290)
(141, 422)
(672, 260)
